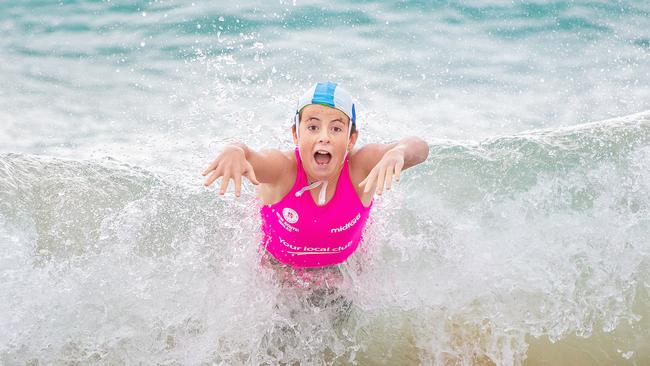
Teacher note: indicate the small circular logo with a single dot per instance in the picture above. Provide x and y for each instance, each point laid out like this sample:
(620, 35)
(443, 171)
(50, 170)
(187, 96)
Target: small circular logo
(290, 215)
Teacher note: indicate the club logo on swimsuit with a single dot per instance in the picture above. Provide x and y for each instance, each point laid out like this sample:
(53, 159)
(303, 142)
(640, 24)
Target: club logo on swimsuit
(290, 215)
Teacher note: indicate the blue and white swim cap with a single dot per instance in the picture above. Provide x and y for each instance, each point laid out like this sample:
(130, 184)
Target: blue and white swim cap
(331, 95)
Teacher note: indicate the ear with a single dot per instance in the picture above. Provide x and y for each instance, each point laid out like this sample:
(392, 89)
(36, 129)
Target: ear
(293, 133)
(353, 140)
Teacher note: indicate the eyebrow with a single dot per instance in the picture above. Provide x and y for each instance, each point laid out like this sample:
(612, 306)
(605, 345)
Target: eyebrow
(307, 118)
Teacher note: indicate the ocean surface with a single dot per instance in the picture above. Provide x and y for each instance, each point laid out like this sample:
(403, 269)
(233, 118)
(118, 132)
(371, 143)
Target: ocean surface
(524, 239)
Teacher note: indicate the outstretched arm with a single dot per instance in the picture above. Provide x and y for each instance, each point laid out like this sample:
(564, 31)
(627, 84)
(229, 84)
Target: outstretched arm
(237, 160)
(385, 162)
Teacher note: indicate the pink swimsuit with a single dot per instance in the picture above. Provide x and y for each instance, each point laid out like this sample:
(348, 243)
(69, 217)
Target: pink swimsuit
(299, 233)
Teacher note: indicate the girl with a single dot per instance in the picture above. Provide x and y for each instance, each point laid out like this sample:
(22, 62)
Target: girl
(316, 199)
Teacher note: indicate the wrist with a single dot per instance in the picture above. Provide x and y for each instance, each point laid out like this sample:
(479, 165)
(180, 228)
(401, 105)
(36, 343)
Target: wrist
(399, 148)
(237, 146)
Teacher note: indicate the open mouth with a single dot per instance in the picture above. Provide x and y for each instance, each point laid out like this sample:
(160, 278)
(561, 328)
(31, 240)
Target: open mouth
(322, 157)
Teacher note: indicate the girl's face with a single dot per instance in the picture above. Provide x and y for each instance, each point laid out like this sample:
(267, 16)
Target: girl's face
(323, 141)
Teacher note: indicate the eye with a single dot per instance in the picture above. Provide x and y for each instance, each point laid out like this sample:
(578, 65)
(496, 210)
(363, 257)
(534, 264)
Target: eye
(312, 128)
(337, 129)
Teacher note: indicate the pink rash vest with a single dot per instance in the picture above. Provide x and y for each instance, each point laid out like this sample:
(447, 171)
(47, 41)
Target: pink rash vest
(299, 233)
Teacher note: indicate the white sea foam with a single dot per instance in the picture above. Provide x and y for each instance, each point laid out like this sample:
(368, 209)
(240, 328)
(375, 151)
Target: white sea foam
(506, 246)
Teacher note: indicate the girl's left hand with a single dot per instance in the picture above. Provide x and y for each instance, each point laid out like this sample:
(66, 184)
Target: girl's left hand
(382, 174)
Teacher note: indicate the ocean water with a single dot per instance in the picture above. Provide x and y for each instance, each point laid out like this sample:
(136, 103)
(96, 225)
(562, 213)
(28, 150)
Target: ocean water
(524, 239)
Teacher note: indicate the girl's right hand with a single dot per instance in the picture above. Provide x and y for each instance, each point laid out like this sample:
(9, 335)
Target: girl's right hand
(230, 164)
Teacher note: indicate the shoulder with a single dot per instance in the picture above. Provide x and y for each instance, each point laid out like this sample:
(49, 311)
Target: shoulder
(286, 163)
(277, 156)
(273, 192)
(364, 158)
(271, 164)
(285, 157)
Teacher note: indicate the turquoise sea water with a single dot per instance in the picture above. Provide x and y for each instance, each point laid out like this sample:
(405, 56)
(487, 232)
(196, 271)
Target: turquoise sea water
(523, 239)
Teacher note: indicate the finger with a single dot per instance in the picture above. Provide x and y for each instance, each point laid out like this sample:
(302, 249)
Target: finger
(389, 177)
(215, 174)
(380, 181)
(398, 169)
(369, 179)
(237, 179)
(224, 184)
(250, 173)
(211, 167)
(363, 182)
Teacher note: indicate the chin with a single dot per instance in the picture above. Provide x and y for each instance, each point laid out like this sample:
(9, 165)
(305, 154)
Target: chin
(324, 173)
(321, 174)
(323, 166)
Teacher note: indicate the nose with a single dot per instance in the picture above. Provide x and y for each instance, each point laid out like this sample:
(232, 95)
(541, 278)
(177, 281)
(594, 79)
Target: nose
(324, 135)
